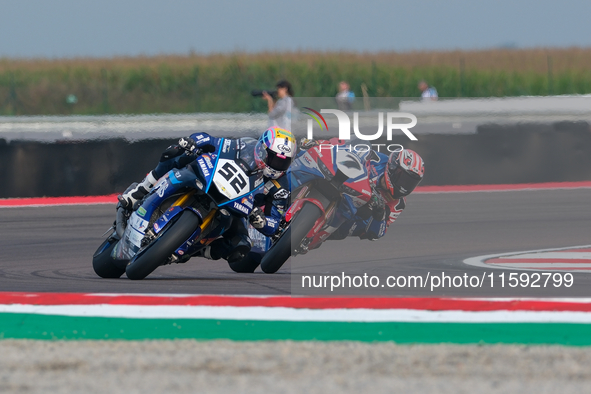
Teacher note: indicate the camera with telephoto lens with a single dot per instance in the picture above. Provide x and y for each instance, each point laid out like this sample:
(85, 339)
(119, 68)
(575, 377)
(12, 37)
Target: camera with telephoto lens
(259, 93)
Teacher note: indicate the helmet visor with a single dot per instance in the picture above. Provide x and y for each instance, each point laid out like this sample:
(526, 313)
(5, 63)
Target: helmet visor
(403, 182)
(277, 162)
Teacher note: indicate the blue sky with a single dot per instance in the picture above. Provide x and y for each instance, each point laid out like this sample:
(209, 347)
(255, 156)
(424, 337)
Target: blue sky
(104, 28)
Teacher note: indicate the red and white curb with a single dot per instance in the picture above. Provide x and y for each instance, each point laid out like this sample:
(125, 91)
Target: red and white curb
(502, 188)
(572, 258)
(282, 308)
(112, 199)
(57, 201)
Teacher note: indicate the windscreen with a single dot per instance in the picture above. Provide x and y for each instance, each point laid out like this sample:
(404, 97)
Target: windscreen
(245, 152)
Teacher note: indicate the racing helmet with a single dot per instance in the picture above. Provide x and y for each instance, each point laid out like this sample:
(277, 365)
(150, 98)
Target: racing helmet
(403, 173)
(274, 151)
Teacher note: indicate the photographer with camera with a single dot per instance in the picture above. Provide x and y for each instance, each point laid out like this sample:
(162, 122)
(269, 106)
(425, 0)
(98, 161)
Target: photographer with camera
(280, 111)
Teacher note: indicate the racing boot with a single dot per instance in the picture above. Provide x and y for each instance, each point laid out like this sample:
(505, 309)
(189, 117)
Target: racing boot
(239, 251)
(214, 250)
(134, 194)
(218, 248)
(230, 250)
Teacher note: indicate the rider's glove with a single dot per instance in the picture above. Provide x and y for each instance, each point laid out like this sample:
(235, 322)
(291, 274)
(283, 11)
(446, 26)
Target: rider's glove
(257, 218)
(306, 143)
(377, 205)
(188, 144)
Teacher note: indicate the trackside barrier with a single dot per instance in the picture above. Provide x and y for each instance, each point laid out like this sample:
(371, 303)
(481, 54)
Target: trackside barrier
(496, 154)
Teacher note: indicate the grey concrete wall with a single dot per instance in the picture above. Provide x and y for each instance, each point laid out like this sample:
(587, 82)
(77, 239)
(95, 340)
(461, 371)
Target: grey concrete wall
(496, 154)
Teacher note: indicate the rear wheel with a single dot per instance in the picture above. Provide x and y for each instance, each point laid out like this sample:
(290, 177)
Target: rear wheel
(248, 264)
(299, 227)
(104, 265)
(145, 262)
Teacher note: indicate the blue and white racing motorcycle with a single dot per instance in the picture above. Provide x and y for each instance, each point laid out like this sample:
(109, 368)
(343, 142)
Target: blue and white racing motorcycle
(187, 209)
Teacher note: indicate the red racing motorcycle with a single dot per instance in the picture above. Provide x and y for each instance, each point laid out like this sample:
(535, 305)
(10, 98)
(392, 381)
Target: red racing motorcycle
(328, 183)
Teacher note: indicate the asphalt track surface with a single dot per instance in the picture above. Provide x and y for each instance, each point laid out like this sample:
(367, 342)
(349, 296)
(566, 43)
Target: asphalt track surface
(49, 249)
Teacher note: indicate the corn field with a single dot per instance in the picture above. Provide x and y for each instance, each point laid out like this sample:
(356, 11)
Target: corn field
(222, 83)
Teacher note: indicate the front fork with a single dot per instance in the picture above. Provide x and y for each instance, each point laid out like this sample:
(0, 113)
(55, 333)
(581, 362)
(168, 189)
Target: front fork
(195, 241)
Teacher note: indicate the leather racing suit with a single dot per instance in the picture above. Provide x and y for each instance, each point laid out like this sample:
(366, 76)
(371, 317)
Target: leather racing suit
(371, 223)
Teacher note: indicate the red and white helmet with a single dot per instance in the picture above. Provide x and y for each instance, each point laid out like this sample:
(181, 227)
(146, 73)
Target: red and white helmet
(274, 151)
(404, 172)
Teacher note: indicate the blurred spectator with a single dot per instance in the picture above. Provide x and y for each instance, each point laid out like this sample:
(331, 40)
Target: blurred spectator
(429, 93)
(345, 97)
(280, 111)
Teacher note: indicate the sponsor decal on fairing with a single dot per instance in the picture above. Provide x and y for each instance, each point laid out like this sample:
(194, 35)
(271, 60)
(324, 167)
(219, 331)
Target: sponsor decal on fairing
(203, 166)
(241, 208)
(226, 146)
(247, 201)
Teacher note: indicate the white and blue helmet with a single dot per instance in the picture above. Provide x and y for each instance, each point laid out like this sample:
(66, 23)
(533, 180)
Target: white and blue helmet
(274, 151)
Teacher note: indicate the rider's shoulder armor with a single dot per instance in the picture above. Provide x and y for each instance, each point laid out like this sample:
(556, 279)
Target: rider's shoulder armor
(200, 137)
(378, 166)
(203, 140)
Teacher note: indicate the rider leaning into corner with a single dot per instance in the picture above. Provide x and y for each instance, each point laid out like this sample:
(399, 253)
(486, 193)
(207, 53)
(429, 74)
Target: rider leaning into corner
(274, 152)
(393, 178)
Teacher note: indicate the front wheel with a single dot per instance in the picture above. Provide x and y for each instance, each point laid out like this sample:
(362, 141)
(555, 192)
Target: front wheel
(299, 227)
(145, 262)
(103, 264)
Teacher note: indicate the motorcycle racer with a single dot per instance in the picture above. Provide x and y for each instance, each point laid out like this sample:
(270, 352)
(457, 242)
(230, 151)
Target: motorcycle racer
(273, 201)
(393, 177)
(273, 154)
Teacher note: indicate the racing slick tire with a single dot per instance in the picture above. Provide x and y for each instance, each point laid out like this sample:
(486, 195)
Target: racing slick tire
(248, 264)
(299, 227)
(103, 264)
(147, 260)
